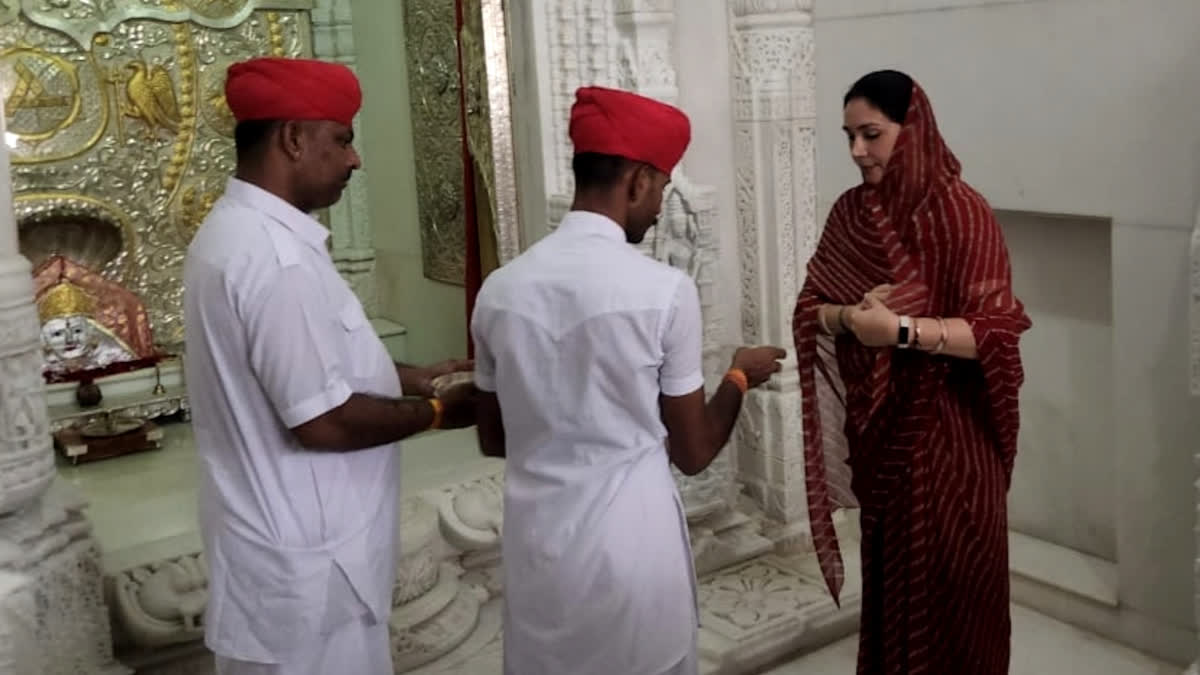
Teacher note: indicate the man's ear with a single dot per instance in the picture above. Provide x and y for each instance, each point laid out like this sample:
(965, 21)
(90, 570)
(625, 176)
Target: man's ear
(640, 182)
(291, 140)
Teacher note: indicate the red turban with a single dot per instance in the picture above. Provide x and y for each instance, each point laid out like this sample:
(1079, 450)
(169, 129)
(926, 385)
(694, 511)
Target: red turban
(292, 89)
(620, 123)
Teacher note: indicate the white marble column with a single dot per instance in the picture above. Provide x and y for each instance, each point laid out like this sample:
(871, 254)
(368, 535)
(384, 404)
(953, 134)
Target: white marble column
(26, 459)
(774, 88)
(353, 248)
(52, 615)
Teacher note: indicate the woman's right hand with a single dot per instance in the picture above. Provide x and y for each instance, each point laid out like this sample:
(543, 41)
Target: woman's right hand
(758, 363)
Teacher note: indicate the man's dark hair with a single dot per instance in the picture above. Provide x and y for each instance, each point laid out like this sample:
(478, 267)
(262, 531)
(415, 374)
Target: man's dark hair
(594, 171)
(250, 136)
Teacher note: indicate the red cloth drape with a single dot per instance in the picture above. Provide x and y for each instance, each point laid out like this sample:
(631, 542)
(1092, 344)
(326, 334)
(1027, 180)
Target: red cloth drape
(473, 276)
(930, 440)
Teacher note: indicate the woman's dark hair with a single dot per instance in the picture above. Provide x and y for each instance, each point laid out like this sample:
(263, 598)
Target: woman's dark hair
(888, 90)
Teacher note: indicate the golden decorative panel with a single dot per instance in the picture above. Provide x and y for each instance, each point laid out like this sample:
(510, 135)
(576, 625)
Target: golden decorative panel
(432, 54)
(121, 144)
(484, 39)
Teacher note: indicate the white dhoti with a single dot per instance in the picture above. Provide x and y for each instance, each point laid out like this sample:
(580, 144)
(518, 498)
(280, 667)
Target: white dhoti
(361, 648)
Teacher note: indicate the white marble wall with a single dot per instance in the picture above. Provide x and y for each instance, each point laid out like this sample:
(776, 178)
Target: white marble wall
(1086, 114)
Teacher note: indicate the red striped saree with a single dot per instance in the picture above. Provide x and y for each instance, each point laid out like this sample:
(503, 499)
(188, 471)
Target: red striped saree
(928, 441)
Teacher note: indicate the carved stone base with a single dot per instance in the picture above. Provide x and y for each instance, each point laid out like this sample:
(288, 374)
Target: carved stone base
(50, 543)
(726, 538)
(757, 605)
(752, 615)
(18, 653)
(159, 604)
(769, 609)
(189, 659)
(434, 611)
(481, 653)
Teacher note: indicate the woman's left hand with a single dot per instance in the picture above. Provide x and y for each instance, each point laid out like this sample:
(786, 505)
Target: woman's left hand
(874, 324)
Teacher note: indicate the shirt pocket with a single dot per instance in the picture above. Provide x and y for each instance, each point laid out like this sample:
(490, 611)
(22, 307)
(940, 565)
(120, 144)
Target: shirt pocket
(358, 333)
(352, 317)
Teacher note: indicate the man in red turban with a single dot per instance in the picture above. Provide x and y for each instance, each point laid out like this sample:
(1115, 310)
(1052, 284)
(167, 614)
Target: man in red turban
(296, 403)
(593, 352)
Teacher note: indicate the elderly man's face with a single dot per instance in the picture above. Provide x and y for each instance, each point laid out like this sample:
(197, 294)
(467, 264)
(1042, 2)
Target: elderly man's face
(329, 161)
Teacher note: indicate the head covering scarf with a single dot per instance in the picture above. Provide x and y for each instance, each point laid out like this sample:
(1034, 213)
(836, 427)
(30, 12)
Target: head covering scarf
(292, 89)
(624, 124)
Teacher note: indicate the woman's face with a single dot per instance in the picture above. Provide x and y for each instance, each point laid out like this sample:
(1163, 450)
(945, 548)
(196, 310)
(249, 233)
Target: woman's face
(872, 136)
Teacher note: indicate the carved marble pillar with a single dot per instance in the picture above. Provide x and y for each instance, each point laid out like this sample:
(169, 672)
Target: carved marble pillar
(644, 60)
(26, 459)
(581, 50)
(353, 249)
(774, 84)
(52, 616)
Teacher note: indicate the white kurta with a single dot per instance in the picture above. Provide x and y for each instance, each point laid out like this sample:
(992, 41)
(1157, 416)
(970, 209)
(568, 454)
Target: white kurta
(300, 544)
(578, 337)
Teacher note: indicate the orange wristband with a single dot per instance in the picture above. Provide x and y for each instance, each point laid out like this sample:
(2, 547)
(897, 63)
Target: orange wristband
(738, 377)
(438, 409)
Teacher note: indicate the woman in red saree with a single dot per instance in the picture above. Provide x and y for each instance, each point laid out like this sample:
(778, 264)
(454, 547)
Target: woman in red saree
(908, 324)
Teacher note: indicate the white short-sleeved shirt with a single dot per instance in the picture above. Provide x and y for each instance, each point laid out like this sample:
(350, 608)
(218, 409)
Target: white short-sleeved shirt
(298, 542)
(578, 337)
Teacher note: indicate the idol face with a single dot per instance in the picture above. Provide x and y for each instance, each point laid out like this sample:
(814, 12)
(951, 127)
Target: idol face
(68, 338)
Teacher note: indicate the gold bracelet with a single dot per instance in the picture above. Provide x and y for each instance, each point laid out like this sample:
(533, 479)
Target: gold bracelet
(842, 318)
(943, 338)
(916, 341)
(738, 377)
(438, 409)
(821, 322)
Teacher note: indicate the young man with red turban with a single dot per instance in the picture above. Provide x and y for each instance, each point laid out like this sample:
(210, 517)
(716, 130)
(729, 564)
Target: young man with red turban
(588, 357)
(296, 404)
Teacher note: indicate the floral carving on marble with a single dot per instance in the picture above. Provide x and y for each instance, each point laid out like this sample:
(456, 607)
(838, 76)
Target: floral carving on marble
(756, 593)
(26, 458)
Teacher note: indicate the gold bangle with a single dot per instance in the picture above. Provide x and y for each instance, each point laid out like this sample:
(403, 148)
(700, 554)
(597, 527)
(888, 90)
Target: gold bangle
(821, 322)
(738, 377)
(438, 409)
(943, 338)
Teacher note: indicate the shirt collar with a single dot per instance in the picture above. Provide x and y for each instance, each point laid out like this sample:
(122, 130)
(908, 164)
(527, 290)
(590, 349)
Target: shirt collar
(591, 223)
(304, 226)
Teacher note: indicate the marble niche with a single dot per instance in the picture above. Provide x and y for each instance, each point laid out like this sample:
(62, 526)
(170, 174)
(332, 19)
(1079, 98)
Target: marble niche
(761, 594)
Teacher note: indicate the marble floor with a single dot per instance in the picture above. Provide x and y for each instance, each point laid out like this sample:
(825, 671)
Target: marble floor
(143, 506)
(1041, 646)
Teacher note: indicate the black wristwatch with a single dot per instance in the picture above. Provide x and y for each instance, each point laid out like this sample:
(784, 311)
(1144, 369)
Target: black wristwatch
(903, 338)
